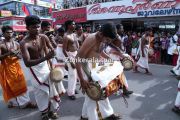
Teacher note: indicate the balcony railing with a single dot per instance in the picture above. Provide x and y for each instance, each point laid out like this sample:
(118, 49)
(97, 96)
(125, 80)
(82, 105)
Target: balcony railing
(67, 4)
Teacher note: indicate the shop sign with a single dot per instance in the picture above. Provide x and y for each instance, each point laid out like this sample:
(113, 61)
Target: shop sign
(45, 3)
(19, 25)
(78, 15)
(133, 9)
(5, 13)
(26, 1)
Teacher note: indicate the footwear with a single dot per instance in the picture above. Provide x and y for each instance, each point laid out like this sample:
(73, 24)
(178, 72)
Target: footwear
(83, 118)
(148, 73)
(73, 97)
(113, 117)
(172, 72)
(176, 110)
(45, 117)
(30, 105)
(53, 115)
(127, 92)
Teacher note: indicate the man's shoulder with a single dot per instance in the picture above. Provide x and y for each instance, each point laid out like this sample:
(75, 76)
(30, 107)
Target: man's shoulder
(43, 36)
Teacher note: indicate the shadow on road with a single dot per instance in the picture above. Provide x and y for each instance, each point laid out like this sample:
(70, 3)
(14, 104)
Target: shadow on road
(159, 96)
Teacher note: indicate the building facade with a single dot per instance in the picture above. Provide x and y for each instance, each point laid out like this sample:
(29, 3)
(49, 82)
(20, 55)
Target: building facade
(15, 8)
(137, 14)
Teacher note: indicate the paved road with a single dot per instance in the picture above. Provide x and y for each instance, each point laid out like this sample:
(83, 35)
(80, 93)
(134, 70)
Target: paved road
(153, 99)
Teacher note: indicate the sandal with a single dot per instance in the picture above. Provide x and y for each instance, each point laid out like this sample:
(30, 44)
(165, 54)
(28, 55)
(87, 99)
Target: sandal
(148, 73)
(176, 110)
(113, 117)
(45, 117)
(30, 105)
(83, 118)
(53, 115)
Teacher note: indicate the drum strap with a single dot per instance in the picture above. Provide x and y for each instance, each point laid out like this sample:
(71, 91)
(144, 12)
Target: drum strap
(86, 70)
(98, 111)
(88, 73)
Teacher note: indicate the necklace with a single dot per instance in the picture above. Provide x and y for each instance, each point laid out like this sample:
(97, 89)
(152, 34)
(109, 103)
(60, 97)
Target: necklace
(34, 42)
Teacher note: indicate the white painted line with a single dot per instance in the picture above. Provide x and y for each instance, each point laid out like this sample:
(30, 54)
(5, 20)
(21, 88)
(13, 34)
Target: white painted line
(139, 95)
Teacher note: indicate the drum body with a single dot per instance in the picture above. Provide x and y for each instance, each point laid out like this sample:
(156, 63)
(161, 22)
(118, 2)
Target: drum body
(127, 62)
(96, 93)
(106, 80)
(56, 74)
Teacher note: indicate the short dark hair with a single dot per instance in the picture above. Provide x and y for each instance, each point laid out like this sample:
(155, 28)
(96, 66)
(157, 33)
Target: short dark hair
(176, 27)
(78, 27)
(32, 20)
(88, 25)
(98, 26)
(45, 23)
(5, 28)
(60, 30)
(109, 30)
(67, 23)
(118, 26)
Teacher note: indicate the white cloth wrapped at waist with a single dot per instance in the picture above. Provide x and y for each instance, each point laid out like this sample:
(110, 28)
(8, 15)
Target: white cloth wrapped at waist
(106, 73)
(41, 71)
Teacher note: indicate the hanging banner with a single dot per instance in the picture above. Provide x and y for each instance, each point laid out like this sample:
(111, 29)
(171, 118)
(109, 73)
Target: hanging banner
(133, 9)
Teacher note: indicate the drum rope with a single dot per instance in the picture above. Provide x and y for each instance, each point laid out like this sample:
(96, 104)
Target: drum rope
(98, 111)
(125, 101)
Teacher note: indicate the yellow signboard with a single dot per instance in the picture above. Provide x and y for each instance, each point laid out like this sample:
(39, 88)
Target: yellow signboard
(5, 13)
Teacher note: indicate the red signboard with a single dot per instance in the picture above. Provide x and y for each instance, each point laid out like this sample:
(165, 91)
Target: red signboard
(18, 23)
(78, 15)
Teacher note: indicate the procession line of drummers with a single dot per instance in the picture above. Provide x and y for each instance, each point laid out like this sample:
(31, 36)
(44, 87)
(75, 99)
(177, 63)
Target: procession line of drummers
(44, 56)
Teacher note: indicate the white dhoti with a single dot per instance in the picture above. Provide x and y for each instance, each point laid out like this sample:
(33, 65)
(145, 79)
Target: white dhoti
(89, 109)
(115, 57)
(60, 56)
(143, 61)
(44, 89)
(72, 75)
(20, 101)
(177, 101)
(176, 69)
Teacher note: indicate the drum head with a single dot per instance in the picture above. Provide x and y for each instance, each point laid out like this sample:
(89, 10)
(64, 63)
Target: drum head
(94, 92)
(128, 64)
(57, 74)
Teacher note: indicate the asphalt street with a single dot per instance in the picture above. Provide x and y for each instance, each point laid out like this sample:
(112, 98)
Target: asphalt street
(153, 98)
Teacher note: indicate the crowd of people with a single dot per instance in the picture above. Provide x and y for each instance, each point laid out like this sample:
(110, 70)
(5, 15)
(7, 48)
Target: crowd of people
(79, 3)
(43, 50)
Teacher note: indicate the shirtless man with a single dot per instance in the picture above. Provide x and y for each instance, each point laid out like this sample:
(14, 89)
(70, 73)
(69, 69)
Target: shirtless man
(90, 50)
(45, 29)
(12, 79)
(79, 34)
(70, 47)
(88, 31)
(118, 55)
(34, 52)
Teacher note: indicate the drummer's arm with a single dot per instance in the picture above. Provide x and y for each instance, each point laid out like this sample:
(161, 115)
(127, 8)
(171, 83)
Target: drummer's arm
(82, 54)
